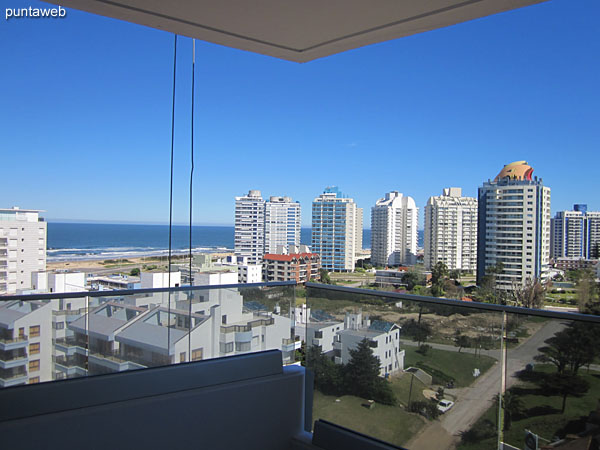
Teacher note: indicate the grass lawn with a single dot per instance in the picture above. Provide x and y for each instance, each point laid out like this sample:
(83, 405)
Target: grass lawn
(457, 366)
(542, 412)
(388, 423)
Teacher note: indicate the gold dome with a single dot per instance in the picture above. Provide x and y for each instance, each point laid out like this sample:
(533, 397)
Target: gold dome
(518, 170)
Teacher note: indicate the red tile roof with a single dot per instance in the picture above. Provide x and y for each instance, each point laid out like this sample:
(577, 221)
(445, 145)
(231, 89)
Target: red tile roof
(276, 257)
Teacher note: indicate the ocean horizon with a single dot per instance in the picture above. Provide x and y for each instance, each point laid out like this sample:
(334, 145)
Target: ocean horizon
(71, 241)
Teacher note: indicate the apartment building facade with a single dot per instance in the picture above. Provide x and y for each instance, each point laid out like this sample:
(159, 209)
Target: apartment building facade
(394, 221)
(513, 226)
(250, 227)
(22, 248)
(25, 342)
(298, 264)
(282, 223)
(336, 230)
(576, 234)
(451, 231)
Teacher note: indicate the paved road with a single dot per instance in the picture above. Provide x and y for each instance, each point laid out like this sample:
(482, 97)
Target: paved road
(471, 402)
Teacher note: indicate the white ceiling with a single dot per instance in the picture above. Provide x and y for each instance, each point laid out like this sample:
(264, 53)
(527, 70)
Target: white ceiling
(296, 30)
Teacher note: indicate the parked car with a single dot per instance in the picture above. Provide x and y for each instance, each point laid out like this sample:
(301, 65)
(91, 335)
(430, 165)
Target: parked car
(444, 405)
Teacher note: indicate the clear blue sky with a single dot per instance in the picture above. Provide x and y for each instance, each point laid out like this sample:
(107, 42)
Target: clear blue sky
(85, 115)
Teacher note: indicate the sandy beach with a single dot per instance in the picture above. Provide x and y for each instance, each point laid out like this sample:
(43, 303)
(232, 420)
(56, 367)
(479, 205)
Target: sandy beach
(117, 265)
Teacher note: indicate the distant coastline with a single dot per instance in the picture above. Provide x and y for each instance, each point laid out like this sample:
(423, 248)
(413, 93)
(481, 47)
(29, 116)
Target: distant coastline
(84, 241)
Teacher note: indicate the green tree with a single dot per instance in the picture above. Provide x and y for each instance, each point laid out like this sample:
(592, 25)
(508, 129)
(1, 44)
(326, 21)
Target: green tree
(135, 272)
(571, 348)
(328, 375)
(324, 275)
(586, 290)
(411, 279)
(454, 274)
(362, 375)
(439, 273)
(461, 341)
(513, 408)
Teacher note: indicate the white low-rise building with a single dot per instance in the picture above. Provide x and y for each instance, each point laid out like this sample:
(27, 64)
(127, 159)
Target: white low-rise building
(250, 273)
(215, 278)
(156, 280)
(25, 342)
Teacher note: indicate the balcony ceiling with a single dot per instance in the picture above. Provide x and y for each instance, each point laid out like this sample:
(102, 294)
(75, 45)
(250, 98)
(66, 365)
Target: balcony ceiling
(296, 30)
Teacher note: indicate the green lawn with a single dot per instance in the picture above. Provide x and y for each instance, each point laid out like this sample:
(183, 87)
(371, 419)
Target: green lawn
(457, 366)
(388, 423)
(542, 413)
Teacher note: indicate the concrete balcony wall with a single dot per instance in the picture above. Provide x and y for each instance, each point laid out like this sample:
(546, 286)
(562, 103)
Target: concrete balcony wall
(247, 401)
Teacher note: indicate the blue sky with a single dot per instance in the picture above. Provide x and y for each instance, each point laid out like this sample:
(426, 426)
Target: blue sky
(85, 115)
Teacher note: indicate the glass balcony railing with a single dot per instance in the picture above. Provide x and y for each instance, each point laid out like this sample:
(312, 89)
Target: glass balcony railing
(422, 372)
(73, 335)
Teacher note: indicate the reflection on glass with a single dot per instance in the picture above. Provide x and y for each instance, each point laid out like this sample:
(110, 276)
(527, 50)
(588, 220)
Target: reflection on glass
(411, 373)
(45, 340)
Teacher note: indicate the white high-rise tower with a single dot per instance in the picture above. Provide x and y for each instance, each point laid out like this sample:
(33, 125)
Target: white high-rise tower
(22, 248)
(513, 226)
(282, 223)
(451, 230)
(394, 221)
(250, 227)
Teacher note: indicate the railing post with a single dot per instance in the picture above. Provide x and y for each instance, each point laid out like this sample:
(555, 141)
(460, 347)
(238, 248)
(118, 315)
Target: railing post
(503, 362)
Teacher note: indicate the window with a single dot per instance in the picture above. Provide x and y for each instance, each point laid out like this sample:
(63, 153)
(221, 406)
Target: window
(58, 325)
(34, 380)
(197, 354)
(34, 348)
(21, 332)
(34, 331)
(182, 357)
(34, 365)
(224, 319)
(226, 347)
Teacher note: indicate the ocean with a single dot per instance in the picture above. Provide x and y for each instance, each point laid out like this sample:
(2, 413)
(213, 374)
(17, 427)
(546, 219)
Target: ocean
(80, 241)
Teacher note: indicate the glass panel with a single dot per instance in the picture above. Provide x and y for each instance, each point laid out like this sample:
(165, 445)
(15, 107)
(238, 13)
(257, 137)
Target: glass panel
(45, 340)
(411, 373)
(552, 386)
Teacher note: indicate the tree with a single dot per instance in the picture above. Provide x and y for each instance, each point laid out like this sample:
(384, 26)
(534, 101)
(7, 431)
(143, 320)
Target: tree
(362, 375)
(461, 341)
(324, 275)
(411, 279)
(439, 273)
(418, 331)
(135, 272)
(586, 290)
(513, 408)
(455, 274)
(328, 375)
(571, 348)
(529, 295)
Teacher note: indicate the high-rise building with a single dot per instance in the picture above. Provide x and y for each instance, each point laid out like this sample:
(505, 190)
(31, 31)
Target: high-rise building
(22, 248)
(576, 234)
(513, 226)
(451, 230)
(250, 227)
(282, 223)
(394, 221)
(336, 225)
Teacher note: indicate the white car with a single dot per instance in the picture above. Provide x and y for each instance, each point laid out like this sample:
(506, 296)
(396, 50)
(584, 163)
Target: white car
(444, 405)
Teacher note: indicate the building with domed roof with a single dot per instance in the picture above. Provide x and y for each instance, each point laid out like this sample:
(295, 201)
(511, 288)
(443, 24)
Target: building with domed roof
(513, 226)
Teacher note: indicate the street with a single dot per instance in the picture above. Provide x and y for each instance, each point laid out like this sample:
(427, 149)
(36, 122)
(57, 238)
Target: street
(473, 401)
